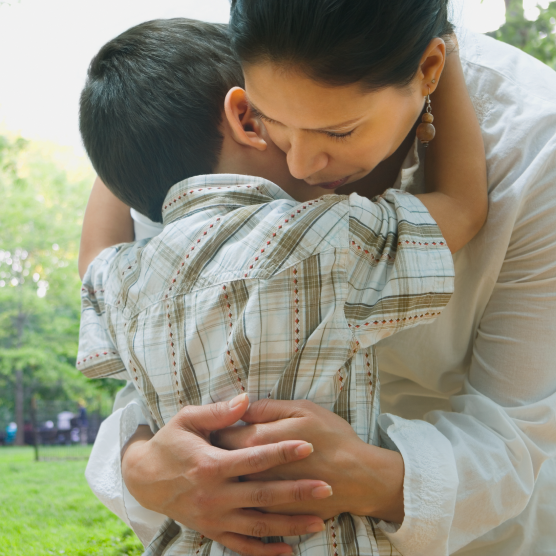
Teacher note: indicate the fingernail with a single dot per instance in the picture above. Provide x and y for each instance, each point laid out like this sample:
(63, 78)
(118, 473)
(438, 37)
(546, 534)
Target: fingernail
(304, 450)
(238, 400)
(322, 492)
(316, 528)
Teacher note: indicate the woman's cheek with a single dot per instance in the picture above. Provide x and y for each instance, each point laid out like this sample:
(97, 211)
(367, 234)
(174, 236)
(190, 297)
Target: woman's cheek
(279, 137)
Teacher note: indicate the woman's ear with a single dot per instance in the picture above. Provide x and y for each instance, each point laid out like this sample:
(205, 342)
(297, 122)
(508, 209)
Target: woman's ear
(432, 65)
(245, 127)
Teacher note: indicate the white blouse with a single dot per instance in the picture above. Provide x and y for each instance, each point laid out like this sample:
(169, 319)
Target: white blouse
(469, 401)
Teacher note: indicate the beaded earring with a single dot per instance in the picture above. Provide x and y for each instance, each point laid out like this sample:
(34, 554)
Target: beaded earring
(425, 130)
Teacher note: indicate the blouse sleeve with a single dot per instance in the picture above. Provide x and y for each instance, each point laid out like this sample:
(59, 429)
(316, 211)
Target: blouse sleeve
(470, 470)
(104, 468)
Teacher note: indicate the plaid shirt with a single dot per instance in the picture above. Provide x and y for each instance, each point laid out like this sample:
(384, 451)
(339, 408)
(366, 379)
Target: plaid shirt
(248, 290)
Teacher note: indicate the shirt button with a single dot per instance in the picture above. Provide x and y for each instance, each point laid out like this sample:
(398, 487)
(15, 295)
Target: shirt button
(126, 313)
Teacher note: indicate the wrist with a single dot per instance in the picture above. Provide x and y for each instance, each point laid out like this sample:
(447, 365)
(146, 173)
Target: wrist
(380, 477)
(132, 450)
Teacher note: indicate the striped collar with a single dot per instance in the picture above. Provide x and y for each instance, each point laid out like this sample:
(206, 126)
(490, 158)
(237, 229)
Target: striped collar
(201, 192)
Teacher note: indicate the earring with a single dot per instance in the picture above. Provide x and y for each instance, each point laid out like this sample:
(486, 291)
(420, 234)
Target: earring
(426, 131)
(433, 81)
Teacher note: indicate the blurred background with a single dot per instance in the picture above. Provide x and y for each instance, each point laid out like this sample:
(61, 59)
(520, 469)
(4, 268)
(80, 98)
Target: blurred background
(45, 178)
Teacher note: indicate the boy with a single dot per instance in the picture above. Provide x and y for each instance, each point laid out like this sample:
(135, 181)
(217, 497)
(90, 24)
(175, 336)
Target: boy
(247, 289)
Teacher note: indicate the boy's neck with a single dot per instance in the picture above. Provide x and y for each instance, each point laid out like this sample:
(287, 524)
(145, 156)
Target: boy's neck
(270, 164)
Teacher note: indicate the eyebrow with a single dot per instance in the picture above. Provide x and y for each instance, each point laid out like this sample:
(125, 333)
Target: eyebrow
(336, 127)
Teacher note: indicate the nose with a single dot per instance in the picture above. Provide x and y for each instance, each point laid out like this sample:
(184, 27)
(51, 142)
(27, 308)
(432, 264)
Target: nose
(305, 160)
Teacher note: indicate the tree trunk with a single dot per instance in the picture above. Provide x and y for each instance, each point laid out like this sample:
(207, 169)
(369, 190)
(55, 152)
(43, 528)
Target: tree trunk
(19, 391)
(19, 400)
(514, 8)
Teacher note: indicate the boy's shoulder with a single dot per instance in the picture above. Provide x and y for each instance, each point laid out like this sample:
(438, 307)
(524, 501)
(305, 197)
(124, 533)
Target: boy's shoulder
(222, 228)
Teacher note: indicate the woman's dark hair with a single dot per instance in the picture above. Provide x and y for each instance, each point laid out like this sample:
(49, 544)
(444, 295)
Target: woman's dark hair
(377, 43)
(152, 106)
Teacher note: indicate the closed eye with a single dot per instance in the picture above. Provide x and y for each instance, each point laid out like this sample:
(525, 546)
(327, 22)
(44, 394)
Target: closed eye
(340, 135)
(268, 120)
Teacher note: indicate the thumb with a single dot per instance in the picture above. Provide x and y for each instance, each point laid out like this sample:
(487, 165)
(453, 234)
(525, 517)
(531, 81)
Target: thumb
(204, 419)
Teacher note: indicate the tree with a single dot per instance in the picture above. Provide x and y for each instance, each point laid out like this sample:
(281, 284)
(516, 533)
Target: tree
(537, 38)
(40, 223)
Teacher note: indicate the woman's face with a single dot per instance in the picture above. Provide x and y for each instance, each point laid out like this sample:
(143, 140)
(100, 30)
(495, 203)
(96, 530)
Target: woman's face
(331, 135)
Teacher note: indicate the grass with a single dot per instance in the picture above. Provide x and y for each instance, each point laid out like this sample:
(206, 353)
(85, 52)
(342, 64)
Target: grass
(47, 508)
(67, 453)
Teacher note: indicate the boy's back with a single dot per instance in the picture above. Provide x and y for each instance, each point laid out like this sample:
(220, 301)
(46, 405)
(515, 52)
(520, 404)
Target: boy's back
(248, 290)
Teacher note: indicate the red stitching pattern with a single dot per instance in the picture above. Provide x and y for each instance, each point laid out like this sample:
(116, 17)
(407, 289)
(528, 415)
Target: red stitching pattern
(385, 256)
(91, 292)
(135, 375)
(334, 543)
(205, 233)
(184, 195)
(101, 354)
(341, 379)
(280, 227)
(434, 243)
(174, 364)
(200, 544)
(124, 271)
(368, 368)
(355, 349)
(392, 321)
(296, 336)
(137, 380)
(231, 324)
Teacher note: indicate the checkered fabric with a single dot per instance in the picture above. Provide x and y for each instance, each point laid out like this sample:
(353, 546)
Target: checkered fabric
(247, 290)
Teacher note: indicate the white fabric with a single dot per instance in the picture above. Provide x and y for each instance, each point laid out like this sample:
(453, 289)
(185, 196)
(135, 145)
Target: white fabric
(64, 419)
(480, 469)
(104, 472)
(144, 227)
(472, 398)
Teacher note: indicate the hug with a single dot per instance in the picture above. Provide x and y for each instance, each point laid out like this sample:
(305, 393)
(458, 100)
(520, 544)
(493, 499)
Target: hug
(321, 252)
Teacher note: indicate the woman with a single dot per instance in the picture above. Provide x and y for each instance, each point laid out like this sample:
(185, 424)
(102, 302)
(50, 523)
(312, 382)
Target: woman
(478, 468)
(470, 401)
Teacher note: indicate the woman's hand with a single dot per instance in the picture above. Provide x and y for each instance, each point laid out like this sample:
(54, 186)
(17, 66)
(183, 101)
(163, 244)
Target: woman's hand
(366, 480)
(178, 473)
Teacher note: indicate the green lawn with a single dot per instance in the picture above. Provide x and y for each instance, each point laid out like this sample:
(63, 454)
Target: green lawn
(47, 508)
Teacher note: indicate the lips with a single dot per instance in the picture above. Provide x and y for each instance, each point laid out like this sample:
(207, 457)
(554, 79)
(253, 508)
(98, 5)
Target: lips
(332, 184)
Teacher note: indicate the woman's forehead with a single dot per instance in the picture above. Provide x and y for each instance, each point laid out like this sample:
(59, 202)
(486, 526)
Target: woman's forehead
(293, 99)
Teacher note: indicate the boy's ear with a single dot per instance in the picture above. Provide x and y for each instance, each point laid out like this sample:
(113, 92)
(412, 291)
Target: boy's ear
(246, 128)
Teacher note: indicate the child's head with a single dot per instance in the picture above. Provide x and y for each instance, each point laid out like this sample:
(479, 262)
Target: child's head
(152, 114)
(151, 110)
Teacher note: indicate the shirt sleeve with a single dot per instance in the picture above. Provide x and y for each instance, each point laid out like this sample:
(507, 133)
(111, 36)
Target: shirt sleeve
(97, 355)
(400, 269)
(104, 468)
(470, 470)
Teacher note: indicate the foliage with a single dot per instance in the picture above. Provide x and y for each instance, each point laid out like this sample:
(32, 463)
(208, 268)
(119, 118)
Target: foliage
(40, 223)
(537, 38)
(48, 508)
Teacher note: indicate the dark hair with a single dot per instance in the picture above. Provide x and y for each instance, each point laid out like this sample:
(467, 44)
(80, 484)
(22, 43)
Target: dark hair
(377, 43)
(151, 109)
